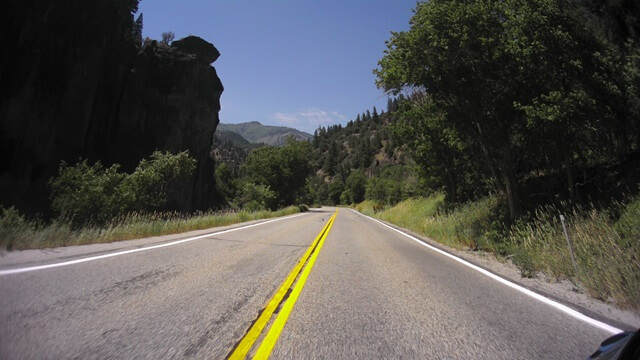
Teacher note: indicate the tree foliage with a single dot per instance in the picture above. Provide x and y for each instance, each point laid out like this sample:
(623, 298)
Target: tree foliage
(515, 85)
(136, 31)
(167, 37)
(284, 170)
(85, 193)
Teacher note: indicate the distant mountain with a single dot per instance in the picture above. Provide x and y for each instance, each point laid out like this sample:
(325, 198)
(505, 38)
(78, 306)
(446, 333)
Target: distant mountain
(236, 139)
(255, 133)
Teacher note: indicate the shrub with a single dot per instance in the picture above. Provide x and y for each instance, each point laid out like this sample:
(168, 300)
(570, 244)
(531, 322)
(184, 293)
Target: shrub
(85, 194)
(154, 181)
(253, 197)
(12, 225)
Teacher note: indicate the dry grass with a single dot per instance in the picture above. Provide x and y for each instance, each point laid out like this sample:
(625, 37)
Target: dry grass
(608, 260)
(18, 233)
(607, 251)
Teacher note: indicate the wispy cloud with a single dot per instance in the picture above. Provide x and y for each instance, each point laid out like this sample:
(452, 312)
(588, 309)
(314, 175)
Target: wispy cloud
(309, 119)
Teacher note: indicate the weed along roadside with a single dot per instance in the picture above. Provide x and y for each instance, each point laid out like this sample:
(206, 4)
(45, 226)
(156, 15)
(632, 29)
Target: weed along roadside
(18, 233)
(605, 250)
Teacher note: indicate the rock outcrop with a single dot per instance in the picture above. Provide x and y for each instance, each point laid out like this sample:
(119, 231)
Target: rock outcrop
(76, 86)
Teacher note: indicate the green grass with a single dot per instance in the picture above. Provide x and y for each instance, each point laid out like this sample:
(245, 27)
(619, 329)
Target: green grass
(17, 233)
(468, 226)
(607, 250)
(366, 207)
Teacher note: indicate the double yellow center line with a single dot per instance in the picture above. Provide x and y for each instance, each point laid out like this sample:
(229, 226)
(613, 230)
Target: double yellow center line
(244, 346)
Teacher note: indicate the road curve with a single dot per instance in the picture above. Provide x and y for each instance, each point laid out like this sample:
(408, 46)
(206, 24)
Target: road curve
(372, 293)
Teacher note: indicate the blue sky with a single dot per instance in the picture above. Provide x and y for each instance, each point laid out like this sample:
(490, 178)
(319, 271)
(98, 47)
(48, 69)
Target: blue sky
(297, 63)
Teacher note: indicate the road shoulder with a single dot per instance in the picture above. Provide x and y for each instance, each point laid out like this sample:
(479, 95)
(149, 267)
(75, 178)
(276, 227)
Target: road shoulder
(560, 290)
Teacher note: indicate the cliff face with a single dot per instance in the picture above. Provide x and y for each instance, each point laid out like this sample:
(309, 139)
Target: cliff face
(171, 102)
(74, 85)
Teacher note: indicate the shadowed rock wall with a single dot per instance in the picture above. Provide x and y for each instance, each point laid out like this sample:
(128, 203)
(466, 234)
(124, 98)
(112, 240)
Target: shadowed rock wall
(75, 85)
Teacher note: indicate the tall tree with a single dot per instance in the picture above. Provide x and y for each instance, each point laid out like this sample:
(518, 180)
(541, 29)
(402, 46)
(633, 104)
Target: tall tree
(136, 34)
(283, 169)
(494, 69)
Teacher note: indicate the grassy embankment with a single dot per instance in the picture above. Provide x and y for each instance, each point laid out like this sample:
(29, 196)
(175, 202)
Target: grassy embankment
(607, 247)
(16, 232)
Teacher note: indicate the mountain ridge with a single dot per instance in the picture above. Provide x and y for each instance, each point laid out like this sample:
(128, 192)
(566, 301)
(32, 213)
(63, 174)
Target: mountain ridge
(255, 132)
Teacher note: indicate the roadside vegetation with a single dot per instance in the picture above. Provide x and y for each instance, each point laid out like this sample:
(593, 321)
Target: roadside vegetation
(20, 233)
(92, 203)
(606, 242)
(513, 113)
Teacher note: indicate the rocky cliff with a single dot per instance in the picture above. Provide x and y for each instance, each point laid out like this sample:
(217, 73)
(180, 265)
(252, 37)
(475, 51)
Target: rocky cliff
(75, 85)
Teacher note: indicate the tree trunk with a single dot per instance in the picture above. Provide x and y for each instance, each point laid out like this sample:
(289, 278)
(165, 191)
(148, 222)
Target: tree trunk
(513, 197)
(490, 163)
(566, 163)
(451, 181)
(452, 186)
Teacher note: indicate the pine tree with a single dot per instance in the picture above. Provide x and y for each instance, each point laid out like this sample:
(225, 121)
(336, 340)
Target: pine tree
(136, 31)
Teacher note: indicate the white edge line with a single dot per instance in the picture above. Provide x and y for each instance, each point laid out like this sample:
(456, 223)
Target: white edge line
(118, 253)
(555, 304)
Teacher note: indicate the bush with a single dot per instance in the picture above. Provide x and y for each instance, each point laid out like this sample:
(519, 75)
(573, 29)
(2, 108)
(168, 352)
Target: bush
(154, 181)
(84, 194)
(253, 197)
(12, 224)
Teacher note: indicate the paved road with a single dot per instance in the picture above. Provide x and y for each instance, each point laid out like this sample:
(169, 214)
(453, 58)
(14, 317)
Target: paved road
(372, 293)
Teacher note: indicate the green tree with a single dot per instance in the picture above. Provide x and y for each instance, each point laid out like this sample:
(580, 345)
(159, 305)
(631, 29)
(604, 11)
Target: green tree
(336, 188)
(283, 169)
(488, 66)
(255, 197)
(225, 181)
(136, 31)
(157, 181)
(376, 190)
(330, 159)
(356, 184)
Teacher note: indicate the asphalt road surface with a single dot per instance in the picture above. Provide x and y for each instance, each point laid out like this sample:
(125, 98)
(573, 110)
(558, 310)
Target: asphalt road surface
(371, 293)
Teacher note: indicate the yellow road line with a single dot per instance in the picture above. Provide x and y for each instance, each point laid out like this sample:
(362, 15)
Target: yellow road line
(272, 336)
(244, 346)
